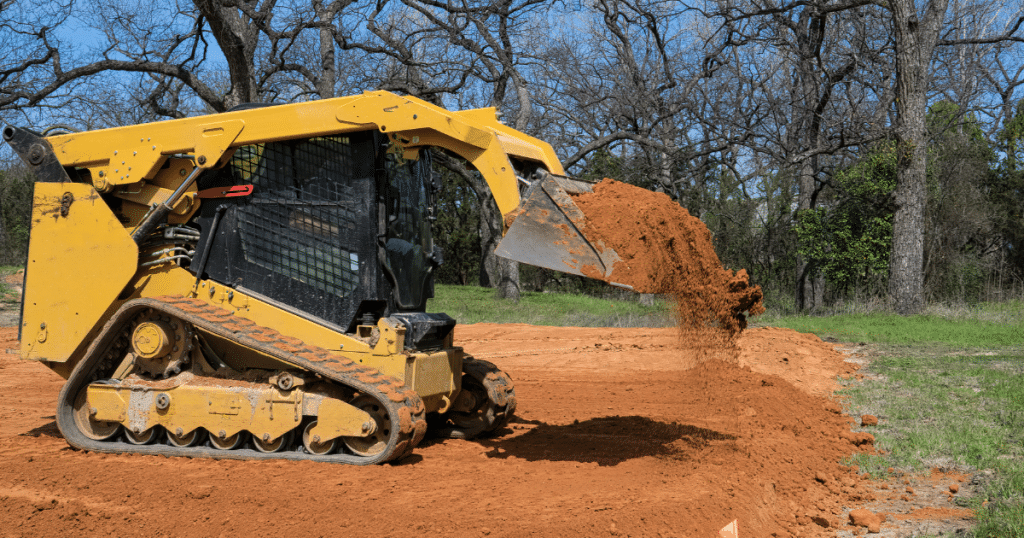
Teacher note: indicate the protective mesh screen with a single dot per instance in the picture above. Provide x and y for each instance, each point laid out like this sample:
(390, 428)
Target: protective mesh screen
(301, 219)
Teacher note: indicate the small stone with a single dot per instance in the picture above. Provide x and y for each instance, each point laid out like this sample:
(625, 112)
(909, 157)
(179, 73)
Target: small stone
(953, 488)
(868, 420)
(45, 504)
(910, 490)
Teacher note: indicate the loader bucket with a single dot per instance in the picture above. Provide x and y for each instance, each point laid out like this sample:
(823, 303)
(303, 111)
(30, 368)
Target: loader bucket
(550, 231)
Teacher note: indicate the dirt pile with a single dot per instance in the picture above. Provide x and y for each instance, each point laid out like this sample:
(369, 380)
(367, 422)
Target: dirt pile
(665, 250)
(803, 359)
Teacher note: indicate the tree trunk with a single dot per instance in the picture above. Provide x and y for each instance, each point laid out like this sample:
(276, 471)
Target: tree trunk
(915, 42)
(805, 133)
(4, 247)
(237, 39)
(495, 271)
(810, 284)
(328, 62)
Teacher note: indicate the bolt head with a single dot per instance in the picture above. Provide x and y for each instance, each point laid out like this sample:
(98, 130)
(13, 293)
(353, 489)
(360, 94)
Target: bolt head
(163, 401)
(36, 154)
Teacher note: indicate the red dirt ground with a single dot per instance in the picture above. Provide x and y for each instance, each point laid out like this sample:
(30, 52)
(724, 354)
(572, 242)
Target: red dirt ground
(613, 436)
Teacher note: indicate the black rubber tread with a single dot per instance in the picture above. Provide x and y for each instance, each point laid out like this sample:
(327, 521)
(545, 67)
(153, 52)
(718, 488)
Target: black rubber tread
(404, 406)
(500, 389)
(501, 399)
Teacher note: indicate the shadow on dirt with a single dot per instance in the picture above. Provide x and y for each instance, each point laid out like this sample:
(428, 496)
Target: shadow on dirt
(49, 430)
(605, 441)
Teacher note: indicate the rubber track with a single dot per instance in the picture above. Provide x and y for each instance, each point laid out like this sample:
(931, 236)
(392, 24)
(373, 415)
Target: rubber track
(501, 395)
(500, 389)
(405, 408)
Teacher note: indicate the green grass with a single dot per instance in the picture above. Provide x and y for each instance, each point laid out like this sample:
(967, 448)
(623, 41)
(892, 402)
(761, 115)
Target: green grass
(948, 387)
(471, 304)
(949, 390)
(956, 411)
(982, 328)
(7, 292)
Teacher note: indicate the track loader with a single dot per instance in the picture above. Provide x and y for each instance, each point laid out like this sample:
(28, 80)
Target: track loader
(253, 284)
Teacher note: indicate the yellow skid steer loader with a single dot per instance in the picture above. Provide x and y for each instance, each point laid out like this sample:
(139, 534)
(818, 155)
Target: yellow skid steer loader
(253, 284)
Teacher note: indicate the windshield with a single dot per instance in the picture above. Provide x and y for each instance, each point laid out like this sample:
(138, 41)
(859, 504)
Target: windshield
(409, 243)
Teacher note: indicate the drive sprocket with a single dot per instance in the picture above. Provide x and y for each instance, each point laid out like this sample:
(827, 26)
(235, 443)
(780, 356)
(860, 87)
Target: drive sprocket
(160, 343)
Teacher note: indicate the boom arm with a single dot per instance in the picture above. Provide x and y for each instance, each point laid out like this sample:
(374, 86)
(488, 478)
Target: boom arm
(543, 228)
(127, 155)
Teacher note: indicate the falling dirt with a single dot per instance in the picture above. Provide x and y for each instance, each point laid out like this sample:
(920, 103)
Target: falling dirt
(614, 436)
(665, 250)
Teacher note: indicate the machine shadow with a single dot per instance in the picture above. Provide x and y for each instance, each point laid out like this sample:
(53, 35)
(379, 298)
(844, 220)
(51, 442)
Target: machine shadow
(48, 430)
(605, 441)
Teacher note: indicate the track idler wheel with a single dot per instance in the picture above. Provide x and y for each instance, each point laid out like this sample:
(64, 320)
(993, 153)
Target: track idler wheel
(141, 438)
(267, 445)
(377, 441)
(97, 430)
(229, 442)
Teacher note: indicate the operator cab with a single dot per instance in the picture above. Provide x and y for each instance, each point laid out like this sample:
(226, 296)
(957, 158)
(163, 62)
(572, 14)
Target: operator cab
(336, 229)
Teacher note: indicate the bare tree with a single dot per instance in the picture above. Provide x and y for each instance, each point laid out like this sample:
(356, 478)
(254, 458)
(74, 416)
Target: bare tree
(917, 31)
(475, 49)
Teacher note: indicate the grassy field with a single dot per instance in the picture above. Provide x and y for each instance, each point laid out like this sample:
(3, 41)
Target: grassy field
(471, 304)
(949, 392)
(988, 325)
(7, 293)
(960, 410)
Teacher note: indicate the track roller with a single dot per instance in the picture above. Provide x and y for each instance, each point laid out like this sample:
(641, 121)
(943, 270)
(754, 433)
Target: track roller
(229, 442)
(183, 440)
(314, 446)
